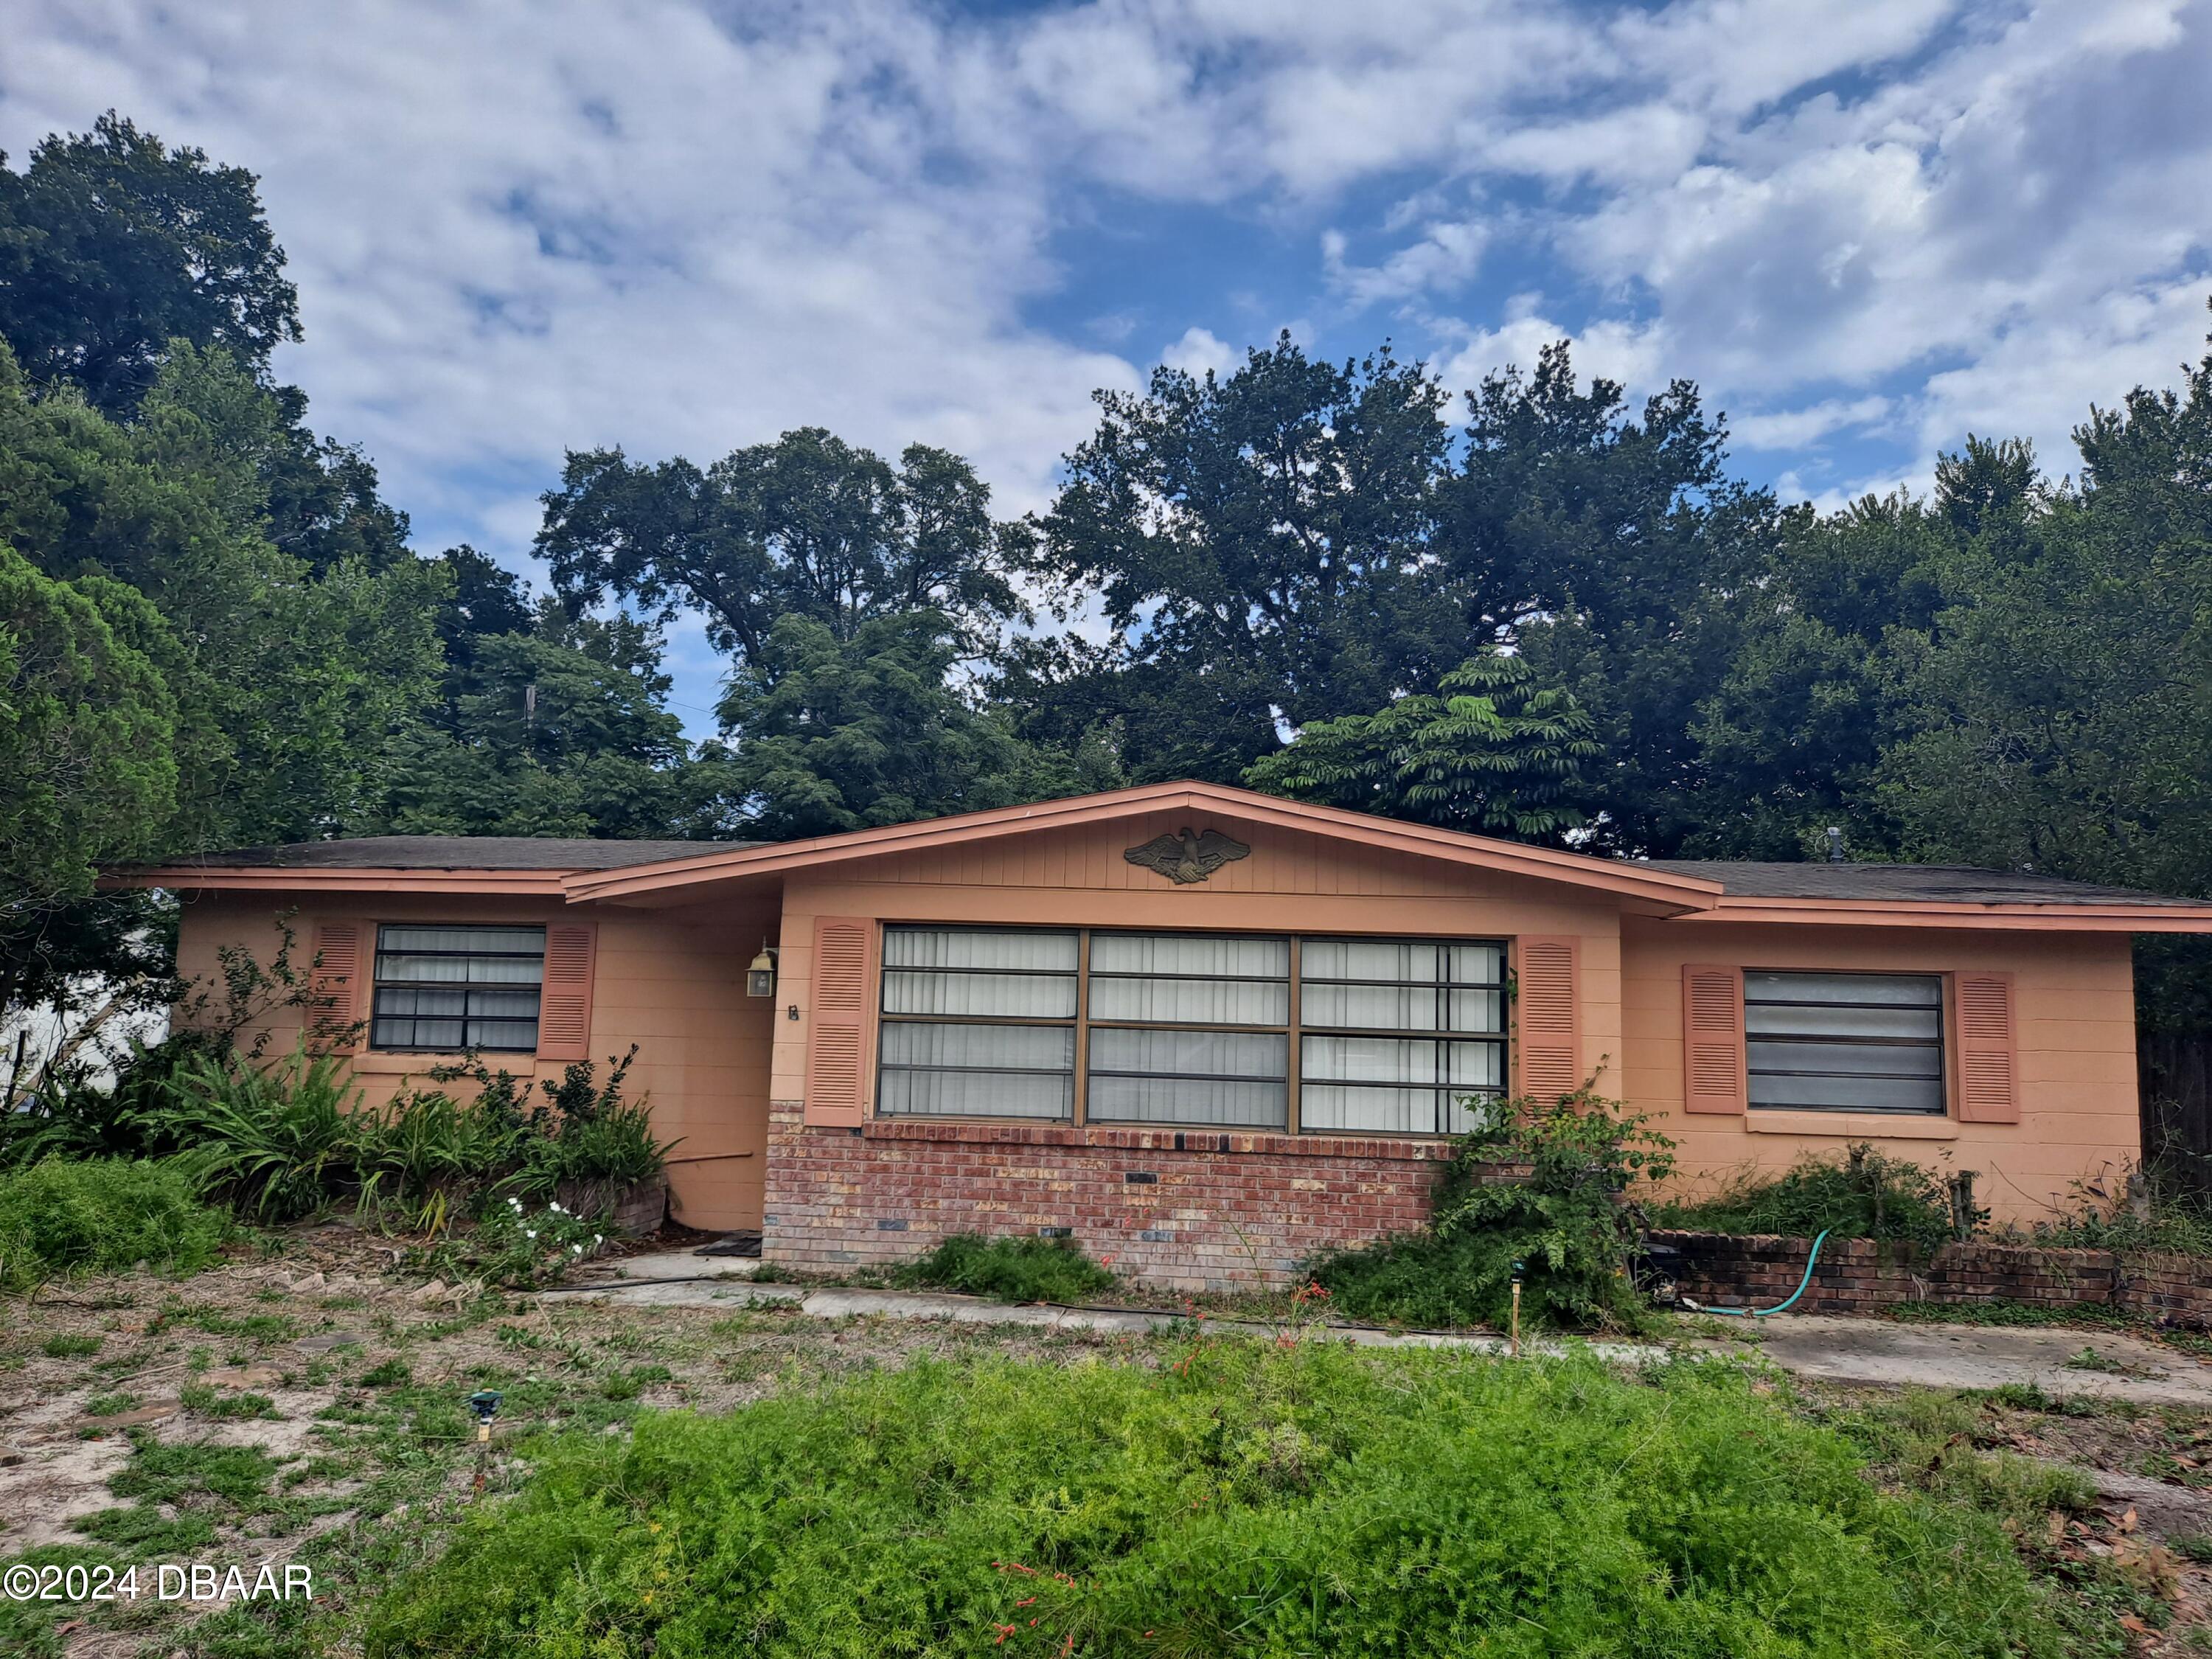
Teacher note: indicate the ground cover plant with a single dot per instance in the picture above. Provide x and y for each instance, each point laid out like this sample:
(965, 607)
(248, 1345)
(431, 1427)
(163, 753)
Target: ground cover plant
(60, 1216)
(1862, 1193)
(1013, 1269)
(1566, 1225)
(1243, 1499)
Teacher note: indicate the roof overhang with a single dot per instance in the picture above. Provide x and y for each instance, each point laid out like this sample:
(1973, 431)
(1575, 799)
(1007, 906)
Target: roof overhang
(207, 878)
(1659, 893)
(2067, 918)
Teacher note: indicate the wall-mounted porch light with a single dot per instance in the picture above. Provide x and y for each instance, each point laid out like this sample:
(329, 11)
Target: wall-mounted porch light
(760, 976)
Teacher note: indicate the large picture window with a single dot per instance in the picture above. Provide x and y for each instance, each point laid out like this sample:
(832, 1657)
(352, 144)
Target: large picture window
(446, 989)
(978, 1023)
(1844, 1042)
(1226, 1030)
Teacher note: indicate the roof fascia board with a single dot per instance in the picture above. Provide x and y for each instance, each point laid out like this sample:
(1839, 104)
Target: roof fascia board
(1935, 913)
(548, 883)
(1678, 893)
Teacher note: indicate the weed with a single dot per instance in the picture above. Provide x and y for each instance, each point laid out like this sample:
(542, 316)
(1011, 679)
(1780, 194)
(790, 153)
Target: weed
(2193, 1547)
(164, 1471)
(69, 1347)
(101, 1216)
(110, 1405)
(1866, 1194)
(1020, 1268)
(142, 1528)
(203, 1400)
(394, 1373)
(2090, 1360)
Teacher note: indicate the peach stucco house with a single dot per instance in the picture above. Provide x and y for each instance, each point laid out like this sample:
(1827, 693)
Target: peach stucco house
(1206, 1031)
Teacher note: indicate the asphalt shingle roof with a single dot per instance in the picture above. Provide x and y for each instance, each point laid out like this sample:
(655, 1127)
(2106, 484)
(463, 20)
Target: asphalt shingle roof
(1873, 883)
(456, 852)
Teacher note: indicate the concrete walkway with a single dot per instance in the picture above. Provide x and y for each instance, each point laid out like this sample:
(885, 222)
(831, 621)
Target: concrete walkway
(1873, 1351)
(680, 1278)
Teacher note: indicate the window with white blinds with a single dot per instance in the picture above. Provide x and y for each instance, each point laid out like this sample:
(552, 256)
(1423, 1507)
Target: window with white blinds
(1221, 1030)
(1147, 1066)
(1400, 1035)
(978, 1023)
(1844, 1042)
(448, 989)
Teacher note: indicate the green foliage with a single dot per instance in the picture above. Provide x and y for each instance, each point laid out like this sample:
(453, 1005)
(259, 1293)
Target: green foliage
(111, 246)
(1493, 754)
(1019, 1268)
(833, 732)
(69, 1347)
(1246, 1500)
(274, 1141)
(62, 1217)
(808, 528)
(2167, 1222)
(87, 726)
(1567, 1229)
(1863, 1193)
(517, 1246)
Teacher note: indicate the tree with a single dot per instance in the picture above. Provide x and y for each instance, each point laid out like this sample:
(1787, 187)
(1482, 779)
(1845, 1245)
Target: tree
(831, 734)
(1610, 549)
(113, 245)
(1263, 545)
(806, 526)
(553, 728)
(1493, 754)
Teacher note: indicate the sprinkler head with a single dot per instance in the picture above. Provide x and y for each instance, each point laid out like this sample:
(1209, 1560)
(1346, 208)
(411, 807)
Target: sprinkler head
(485, 1402)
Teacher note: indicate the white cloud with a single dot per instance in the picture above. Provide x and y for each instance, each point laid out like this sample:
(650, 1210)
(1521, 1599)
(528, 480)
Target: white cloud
(1198, 353)
(1633, 354)
(1796, 428)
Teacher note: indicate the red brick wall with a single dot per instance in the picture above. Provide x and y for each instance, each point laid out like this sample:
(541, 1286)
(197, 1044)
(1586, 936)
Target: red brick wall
(1858, 1275)
(1228, 1210)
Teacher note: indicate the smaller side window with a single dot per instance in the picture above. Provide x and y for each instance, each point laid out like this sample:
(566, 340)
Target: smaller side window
(1844, 1042)
(445, 989)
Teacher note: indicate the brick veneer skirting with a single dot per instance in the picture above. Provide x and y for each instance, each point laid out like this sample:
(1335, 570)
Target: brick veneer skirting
(1856, 1275)
(1188, 1210)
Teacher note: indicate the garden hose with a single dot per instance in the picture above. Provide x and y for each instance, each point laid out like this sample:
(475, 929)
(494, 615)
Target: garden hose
(1811, 1262)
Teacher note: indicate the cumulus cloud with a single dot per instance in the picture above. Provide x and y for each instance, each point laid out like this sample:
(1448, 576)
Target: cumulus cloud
(680, 226)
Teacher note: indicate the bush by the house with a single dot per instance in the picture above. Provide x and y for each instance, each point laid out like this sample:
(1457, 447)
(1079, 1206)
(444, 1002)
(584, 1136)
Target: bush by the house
(1567, 1230)
(64, 1216)
(1017, 1269)
(275, 1142)
(1244, 1499)
(1861, 1193)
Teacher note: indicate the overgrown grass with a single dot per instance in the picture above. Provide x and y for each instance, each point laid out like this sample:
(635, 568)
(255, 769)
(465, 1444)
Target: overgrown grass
(62, 1217)
(1015, 1269)
(1245, 1499)
(1863, 1193)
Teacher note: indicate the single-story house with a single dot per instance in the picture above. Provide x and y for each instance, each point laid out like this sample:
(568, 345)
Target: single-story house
(1205, 1031)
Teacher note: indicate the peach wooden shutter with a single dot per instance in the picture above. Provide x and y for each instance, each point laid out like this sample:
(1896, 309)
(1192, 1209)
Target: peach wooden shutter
(1548, 1026)
(564, 1005)
(1989, 1091)
(1712, 1039)
(837, 1022)
(333, 987)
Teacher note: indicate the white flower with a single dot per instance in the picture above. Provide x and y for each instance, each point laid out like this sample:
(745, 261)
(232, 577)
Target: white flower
(595, 1238)
(557, 1209)
(530, 1232)
(578, 1249)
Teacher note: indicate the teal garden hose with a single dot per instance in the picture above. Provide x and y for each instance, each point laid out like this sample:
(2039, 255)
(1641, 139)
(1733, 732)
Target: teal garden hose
(1811, 1262)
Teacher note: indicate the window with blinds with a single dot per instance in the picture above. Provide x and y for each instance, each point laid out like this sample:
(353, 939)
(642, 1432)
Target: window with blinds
(1400, 1035)
(978, 1023)
(446, 989)
(1844, 1042)
(1203, 1030)
(1189, 1029)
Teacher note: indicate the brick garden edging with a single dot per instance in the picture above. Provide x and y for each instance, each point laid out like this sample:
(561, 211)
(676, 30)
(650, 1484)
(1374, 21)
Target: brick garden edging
(1858, 1275)
(1186, 1209)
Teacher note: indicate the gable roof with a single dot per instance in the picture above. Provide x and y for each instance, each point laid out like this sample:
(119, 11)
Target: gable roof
(1674, 890)
(580, 870)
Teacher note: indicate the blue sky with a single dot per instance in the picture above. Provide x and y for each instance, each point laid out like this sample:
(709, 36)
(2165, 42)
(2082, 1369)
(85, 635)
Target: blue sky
(1867, 228)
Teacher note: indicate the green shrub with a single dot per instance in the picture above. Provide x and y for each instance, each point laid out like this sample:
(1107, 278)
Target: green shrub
(1568, 1230)
(1245, 1500)
(1866, 1194)
(59, 1216)
(275, 1141)
(2170, 1223)
(1023, 1268)
(590, 1143)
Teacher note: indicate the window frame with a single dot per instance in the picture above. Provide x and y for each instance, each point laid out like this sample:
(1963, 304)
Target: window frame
(1441, 1035)
(378, 983)
(1944, 1042)
(885, 1019)
(1292, 1031)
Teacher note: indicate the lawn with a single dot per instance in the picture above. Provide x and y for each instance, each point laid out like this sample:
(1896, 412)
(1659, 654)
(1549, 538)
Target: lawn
(677, 1480)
